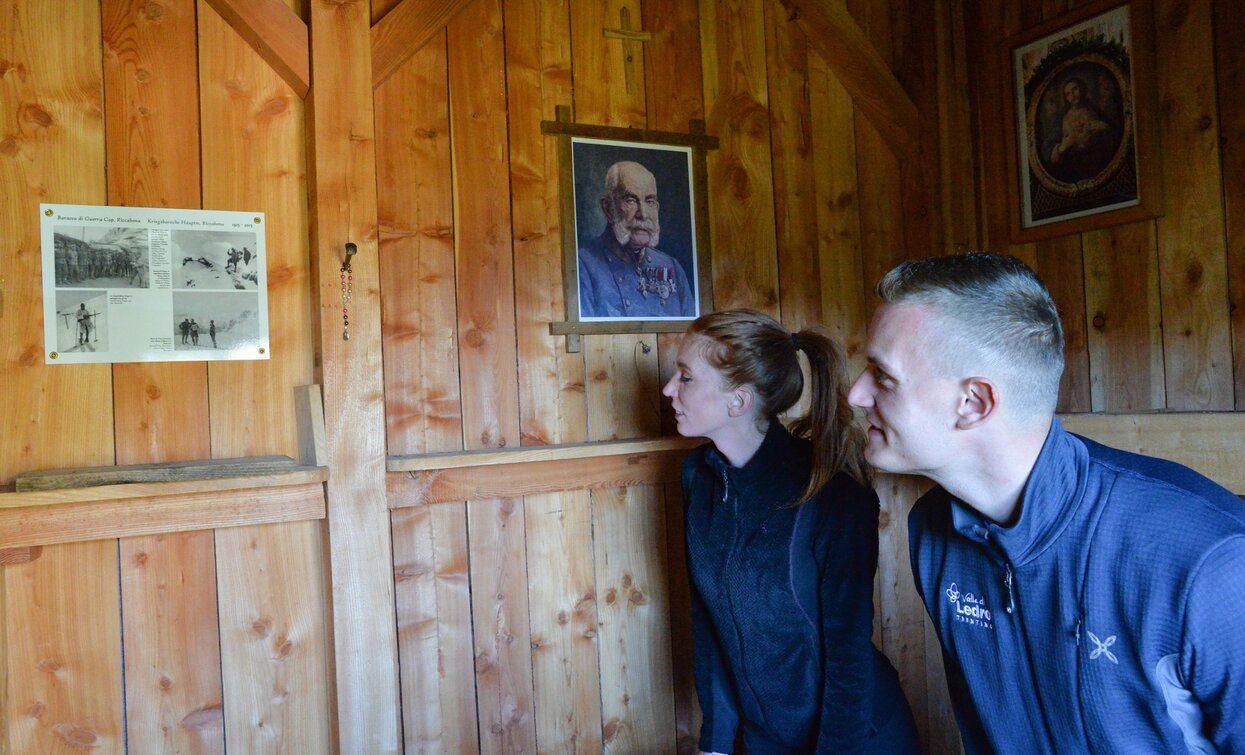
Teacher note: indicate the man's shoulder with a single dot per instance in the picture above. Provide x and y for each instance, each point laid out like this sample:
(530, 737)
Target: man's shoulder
(931, 513)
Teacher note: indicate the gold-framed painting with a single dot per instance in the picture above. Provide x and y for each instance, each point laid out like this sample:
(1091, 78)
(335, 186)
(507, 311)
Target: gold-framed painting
(1081, 101)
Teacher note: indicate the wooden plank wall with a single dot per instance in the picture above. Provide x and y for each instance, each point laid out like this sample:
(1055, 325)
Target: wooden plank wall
(223, 633)
(592, 582)
(553, 621)
(1149, 307)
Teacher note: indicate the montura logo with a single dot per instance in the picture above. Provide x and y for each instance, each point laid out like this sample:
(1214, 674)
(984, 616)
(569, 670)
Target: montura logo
(1101, 647)
(969, 609)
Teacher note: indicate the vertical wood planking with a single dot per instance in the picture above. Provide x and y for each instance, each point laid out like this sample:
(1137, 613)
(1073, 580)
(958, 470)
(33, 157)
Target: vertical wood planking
(598, 74)
(173, 694)
(65, 666)
(273, 617)
(1124, 338)
(622, 388)
(343, 201)
(636, 682)
(741, 212)
(60, 611)
(880, 201)
(503, 643)
(1060, 264)
(561, 585)
(459, 730)
(958, 209)
(422, 406)
(795, 196)
(415, 205)
(152, 119)
(486, 325)
(274, 643)
(672, 102)
(843, 284)
(1230, 77)
(551, 380)
(485, 274)
(900, 610)
(1192, 254)
(563, 615)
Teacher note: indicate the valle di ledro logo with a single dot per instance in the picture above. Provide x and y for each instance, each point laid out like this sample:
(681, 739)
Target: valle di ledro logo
(970, 609)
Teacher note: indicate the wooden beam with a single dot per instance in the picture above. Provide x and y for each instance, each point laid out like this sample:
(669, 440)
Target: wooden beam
(188, 471)
(456, 484)
(276, 33)
(133, 491)
(108, 519)
(342, 188)
(405, 30)
(528, 454)
(862, 71)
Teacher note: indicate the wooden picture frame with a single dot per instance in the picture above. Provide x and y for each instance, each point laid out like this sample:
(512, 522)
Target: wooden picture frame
(1081, 112)
(669, 282)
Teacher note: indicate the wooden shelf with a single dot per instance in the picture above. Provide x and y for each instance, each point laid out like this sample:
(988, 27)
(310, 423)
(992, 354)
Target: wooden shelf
(475, 475)
(73, 505)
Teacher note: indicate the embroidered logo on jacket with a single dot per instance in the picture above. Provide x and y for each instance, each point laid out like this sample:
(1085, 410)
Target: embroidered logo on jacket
(969, 609)
(1100, 647)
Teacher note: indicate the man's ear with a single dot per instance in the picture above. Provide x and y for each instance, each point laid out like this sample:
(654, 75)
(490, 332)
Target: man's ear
(606, 209)
(979, 400)
(740, 401)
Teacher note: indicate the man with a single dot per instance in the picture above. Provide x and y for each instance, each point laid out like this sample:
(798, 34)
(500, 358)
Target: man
(622, 273)
(185, 328)
(1087, 599)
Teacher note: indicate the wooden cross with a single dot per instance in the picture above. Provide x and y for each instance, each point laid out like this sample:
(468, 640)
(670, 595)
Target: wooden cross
(628, 36)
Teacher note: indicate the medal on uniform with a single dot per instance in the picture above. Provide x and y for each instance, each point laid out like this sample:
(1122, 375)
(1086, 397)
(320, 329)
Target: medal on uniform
(657, 280)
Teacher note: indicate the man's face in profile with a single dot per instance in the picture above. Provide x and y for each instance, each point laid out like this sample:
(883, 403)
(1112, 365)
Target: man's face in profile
(631, 209)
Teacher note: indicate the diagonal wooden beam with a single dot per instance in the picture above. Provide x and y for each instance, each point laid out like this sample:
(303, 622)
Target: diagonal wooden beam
(833, 32)
(276, 33)
(405, 29)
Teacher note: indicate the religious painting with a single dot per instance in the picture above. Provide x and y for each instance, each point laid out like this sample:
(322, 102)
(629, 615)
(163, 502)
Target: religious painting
(134, 284)
(1082, 157)
(635, 241)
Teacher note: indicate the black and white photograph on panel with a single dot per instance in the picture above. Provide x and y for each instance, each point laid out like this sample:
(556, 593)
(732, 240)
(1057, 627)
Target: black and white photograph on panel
(101, 256)
(215, 260)
(82, 321)
(216, 321)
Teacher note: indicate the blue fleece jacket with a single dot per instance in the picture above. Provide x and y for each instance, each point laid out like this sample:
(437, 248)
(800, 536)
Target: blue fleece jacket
(1110, 618)
(782, 604)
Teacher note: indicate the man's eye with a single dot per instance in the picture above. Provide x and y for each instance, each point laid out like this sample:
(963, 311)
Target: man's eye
(684, 379)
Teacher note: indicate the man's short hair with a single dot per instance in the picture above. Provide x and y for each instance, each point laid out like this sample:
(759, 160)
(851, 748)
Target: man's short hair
(1000, 323)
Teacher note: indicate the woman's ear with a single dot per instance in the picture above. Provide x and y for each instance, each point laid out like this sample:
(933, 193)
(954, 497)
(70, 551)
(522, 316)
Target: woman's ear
(979, 400)
(740, 401)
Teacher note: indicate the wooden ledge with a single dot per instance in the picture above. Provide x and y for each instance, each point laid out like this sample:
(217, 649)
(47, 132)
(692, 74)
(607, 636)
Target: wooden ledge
(478, 475)
(168, 498)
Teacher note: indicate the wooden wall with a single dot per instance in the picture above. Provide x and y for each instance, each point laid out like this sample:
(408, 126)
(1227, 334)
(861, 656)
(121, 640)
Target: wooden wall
(1151, 308)
(545, 608)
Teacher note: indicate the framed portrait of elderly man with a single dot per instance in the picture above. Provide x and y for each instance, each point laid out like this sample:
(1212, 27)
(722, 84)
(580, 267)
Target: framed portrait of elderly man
(635, 241)
(1081, 97)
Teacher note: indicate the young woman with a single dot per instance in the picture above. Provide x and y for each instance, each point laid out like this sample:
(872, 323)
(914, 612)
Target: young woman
(782, 542)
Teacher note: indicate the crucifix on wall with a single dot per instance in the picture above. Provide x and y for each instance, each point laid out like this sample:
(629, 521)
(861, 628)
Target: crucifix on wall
(629, 39)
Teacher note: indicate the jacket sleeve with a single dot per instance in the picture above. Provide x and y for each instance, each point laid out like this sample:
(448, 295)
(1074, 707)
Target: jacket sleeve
(714, 690)
(849, 558)
(1213, 658)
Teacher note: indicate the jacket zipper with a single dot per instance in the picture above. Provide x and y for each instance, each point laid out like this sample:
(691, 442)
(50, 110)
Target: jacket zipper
(1007, 582)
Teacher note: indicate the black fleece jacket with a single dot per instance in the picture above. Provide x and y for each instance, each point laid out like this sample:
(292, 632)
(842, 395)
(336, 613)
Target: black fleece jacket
(782, 603)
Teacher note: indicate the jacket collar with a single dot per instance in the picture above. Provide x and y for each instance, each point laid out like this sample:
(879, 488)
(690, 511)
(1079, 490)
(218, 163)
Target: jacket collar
(1054, 491)
(772, 469)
